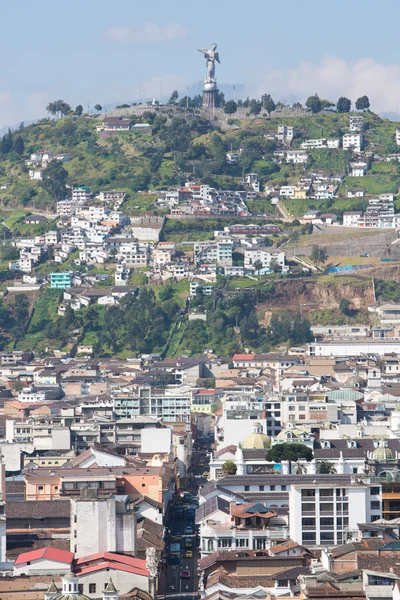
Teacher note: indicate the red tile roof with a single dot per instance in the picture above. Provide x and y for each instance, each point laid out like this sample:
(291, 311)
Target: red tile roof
(97, 562)
(243, 356)
(112, 565)
(48, 553)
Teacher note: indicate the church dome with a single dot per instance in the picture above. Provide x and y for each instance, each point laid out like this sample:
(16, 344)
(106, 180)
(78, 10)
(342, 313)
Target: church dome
(256, 440)
(355, 381)
(382, 454)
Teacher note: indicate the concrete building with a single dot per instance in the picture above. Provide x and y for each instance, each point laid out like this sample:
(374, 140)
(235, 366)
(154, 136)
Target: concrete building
(353, 141)
(60, 281)
(102, 524)
(325, 515)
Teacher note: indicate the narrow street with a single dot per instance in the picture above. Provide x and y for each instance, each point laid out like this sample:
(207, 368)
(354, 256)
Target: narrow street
(182, 543)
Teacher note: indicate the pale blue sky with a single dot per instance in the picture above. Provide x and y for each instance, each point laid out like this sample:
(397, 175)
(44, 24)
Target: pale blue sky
(97, 51)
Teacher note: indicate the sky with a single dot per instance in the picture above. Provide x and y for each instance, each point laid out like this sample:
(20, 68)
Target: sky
(94, 51)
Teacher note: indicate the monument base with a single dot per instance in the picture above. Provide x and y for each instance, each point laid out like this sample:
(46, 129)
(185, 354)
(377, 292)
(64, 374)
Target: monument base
(210, 98)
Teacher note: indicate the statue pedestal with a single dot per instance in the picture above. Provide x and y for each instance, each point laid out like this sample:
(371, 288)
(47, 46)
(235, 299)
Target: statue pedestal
(210, 98)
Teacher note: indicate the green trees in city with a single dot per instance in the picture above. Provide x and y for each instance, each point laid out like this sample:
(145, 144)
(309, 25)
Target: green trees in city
(291, 452)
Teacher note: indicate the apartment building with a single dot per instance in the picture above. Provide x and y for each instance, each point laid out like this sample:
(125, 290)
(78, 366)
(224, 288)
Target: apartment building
(167, 405)
(265, 256)
(356, 122)
(353, 141)
(328, 514)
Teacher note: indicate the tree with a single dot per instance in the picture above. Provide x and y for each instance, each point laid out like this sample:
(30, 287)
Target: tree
(230, 107)
(174, 97)
(6, 143)
(255, 107)
(19, 146)
(326, 104)
(98, 107)
(78, 110)
(344, 306)
(343, 105)
(314, 104)
(268, 103)
(362, 103)
(324, 467)
(58, 107)
(318, 255)
(55, 179)
(290, 452)
(229, 467)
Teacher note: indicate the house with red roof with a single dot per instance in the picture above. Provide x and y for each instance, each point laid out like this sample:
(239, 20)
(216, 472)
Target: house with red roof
(127, 572)
(44, 561)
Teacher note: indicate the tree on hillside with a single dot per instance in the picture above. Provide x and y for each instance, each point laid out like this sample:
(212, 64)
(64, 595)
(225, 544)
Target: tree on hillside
(324, 467)
(362, 103)
(318, 255)
(289, 452)
(255, 107)
(229, 467)
(174, 97)
(344, 306)
(267, 103)
(230, 107)
(326, 104)
(55, 179)
(58, 107)
(98, 107)
(314, 104)
(78, 110)
(19, 146)
(343, 105)
(6, 143)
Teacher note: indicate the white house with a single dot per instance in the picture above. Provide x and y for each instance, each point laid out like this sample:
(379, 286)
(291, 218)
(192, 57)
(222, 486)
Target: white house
(266, 257)
(44, 561)
(352, 218)
(358, 168)
(353, 141)
(296, 157)
(356, 122)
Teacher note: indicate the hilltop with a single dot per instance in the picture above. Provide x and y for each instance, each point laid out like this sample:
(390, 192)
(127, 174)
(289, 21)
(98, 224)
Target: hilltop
(175, 149)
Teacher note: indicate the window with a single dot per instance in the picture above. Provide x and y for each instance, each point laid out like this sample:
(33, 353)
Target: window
(374, 491)
(308, 523)
(242, 543)
(309, 537)
(260, 488)
(326, 523)
(246, 488)
(307, 493)
(308, 508)
(224, 543)
(40, 488)
(283, 488)
(92, 588)
(272, 488)
(375, 505)
(327, 537)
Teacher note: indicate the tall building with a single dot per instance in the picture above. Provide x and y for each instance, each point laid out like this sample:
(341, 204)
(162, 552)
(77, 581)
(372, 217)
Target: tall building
(328, 514)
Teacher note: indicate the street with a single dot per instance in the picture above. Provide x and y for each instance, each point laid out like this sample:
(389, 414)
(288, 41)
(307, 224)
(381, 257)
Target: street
(182, 578)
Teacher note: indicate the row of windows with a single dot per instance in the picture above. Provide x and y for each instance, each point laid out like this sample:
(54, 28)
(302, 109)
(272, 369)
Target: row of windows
(325, 522)
(261, 488)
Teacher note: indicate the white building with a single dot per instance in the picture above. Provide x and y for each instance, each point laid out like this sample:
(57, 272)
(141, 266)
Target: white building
(352, 218)
(102, 525)
(266, 257)
(323, 513)
(398, 137)
(285, 134)
(296, 157)
(356, 122)
(353, 141)
(358, 168)
(35, 174)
